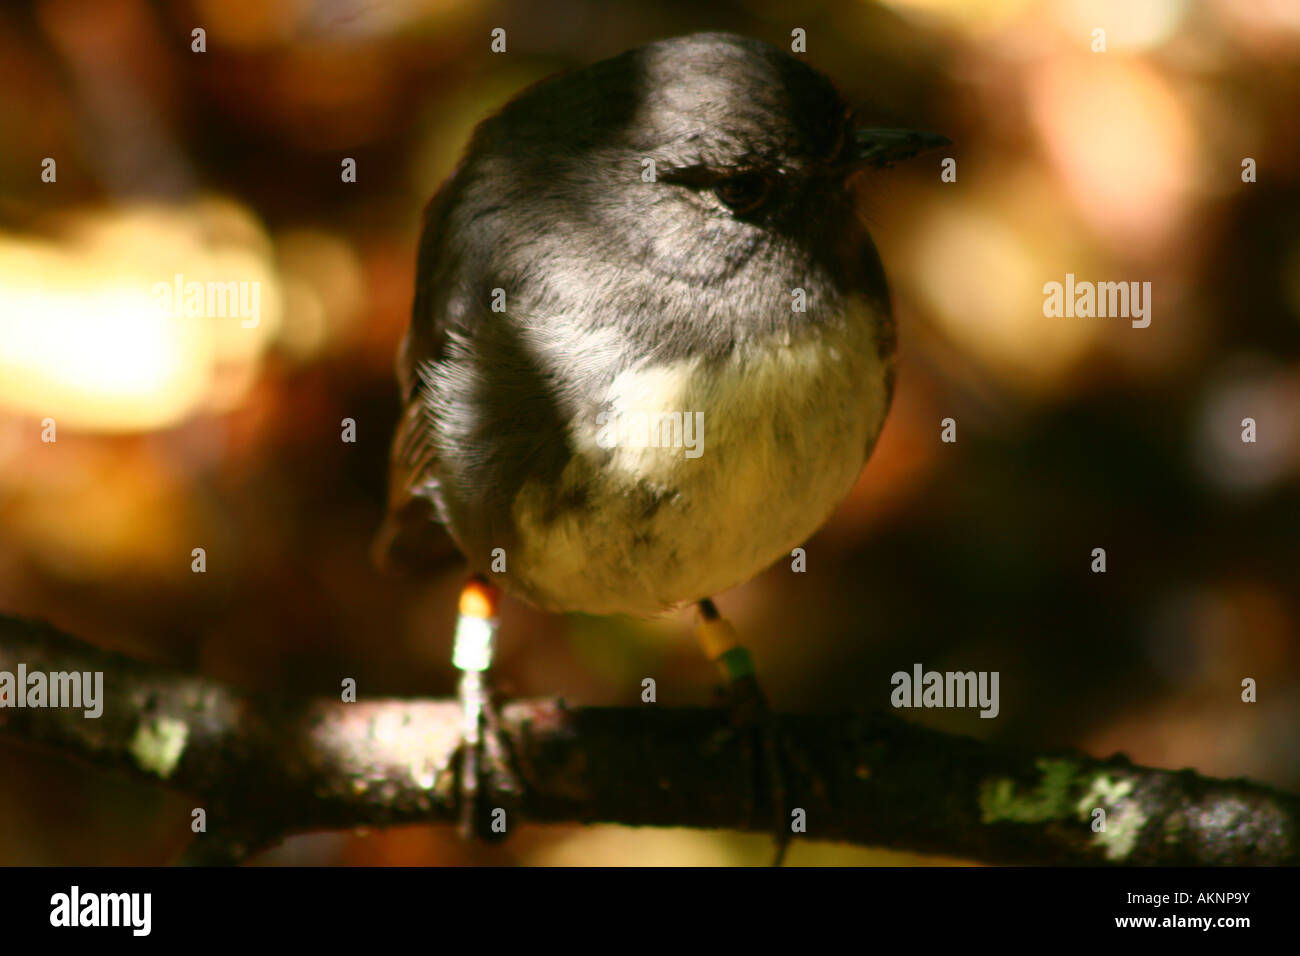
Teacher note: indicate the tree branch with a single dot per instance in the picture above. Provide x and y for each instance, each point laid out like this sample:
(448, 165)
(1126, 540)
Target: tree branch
(264, 767)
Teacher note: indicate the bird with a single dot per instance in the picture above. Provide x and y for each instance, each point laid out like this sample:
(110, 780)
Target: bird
(651, 348)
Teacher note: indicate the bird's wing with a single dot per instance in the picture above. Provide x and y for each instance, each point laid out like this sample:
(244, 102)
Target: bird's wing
(412, 535)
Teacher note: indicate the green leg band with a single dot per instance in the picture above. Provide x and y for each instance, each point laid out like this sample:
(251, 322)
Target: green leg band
(736, 664)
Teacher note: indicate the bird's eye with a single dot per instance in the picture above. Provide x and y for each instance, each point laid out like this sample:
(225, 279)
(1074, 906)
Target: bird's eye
(743, 193)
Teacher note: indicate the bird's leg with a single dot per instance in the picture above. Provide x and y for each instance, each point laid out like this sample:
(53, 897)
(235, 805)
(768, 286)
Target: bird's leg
(485, 750)
(751, 716)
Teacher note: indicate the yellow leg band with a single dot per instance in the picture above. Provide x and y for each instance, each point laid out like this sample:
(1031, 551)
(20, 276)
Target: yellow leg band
(716, 636)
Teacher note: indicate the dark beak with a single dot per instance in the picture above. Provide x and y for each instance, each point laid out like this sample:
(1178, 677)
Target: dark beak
(884, 147)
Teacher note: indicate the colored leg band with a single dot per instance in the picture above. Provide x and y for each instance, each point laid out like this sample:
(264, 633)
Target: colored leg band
(472, 650)
(476, 626)
(716, 636)
(736, 664)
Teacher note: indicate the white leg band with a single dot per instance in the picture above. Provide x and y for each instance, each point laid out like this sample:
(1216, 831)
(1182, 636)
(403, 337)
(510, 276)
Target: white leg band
(472, 650)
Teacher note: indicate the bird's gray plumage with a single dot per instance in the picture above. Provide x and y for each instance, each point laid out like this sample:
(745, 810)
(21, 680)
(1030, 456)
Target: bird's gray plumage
(605, 274)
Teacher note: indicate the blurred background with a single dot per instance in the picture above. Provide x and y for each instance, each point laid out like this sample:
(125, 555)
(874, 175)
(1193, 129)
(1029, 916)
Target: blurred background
(1072, 433)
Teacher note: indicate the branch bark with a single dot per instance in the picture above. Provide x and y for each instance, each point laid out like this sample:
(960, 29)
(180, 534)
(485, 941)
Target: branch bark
(264, 767)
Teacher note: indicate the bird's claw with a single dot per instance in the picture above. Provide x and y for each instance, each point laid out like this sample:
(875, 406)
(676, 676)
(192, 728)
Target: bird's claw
(489, 786)
(763, 746)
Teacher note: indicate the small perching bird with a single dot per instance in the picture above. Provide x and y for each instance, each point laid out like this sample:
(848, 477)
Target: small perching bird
(651, 346)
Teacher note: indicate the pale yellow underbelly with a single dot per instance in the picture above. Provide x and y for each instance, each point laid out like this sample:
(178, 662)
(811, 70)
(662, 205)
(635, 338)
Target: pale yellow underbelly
(784, 435)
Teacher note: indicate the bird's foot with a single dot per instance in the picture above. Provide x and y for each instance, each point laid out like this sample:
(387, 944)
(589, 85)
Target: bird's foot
(767, 760)
(488, 785)
(767, 755)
